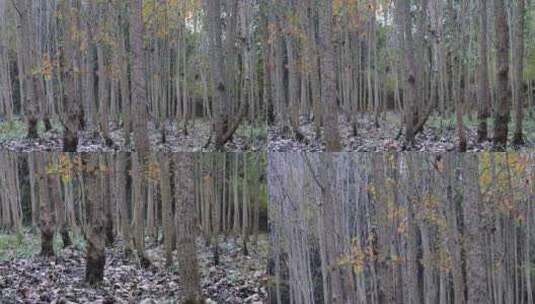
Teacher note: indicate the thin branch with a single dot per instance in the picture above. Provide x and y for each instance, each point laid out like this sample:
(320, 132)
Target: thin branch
(16, 8)
(313, 173)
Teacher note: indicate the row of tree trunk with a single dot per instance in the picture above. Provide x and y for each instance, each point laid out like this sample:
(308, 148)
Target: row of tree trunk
(109, 196)
(418, 58)
(97, 67)
(393, 228)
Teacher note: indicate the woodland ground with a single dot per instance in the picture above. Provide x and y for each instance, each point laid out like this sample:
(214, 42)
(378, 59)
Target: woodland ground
(247, 138)
(28, 278)
(439, 135)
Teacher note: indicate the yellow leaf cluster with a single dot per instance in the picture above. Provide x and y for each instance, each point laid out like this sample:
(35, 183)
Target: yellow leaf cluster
(153, 171)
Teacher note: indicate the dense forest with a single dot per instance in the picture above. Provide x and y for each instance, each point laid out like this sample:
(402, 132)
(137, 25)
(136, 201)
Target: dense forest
(335, 75)
(376, 75)
(177, 75)
(402, 228)
(103, 228)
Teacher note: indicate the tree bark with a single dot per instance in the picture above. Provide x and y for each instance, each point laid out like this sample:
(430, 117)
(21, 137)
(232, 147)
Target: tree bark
(138, 89)
(187, 254)
(484, 86)
(518, 64)
(476, 280)
(45, 217)
(328, 73)
(220, 101)
(503, 89)
(96, 259)
(167, 208)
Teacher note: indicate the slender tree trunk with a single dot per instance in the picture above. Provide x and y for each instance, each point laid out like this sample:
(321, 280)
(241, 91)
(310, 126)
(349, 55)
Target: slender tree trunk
(138, 89)
(107, 202)
(518, 63)
(328, 73)
(187, 255)
(474, 231)
(71, 66)
(54, 184)
(220, 100)
(411, 84)
(484, 86)
(245, 208)
(45, 215)
(26, 49)
(167, 208)
(121, 191)
(502, 114)
(95, 234)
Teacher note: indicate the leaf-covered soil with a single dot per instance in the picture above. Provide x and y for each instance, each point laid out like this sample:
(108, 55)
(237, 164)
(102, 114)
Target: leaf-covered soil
(238, 278)
(198, 138)
(439, 135)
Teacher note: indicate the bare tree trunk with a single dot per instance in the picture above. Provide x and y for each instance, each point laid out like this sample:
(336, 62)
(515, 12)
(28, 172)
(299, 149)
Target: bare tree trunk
(107, 205)
(139, 91)
(503, 89)
(220, 101)
(411, 93)
(474, 232)
(121, 192)
(45, 217)
(245, 208)
(167, 208)
(26, 50)
(187, 255)
(138, 209)
(328, 73)
(484, 86)
(518, 65)
(71, 66)
(96, 259)
(54, 185)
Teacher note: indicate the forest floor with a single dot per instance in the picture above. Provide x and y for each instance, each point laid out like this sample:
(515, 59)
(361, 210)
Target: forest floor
(248, 137)
(439, 135)
(27, 278)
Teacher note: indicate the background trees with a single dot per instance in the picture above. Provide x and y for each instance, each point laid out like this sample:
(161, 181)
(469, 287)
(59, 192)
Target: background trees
(216, 197)
(90, 70)
(401, 68)
(401, 228)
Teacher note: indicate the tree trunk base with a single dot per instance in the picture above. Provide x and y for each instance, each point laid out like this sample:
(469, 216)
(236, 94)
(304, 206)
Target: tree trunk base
(462, 146)
(94, 273)
(500, 133)
(216, 254)
(193, 301)
(482, 132)
(164, 135)
(47, 245)
(144, 261)
(65, 237)
(245, 250)
(32, 129)
(354, 129)
(70, 142)
(110, 237)
(518, 140)
(128, 253)
(109, 142)
(48, 124)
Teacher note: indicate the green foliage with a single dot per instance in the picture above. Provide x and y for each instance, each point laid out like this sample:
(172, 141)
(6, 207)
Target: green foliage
(529, 69)
(25, 244)
(253, 132)
(14, 129)
(19, 245)
(472, 122)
